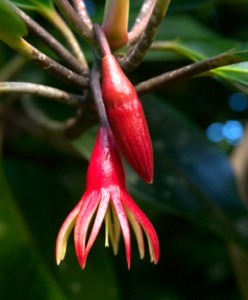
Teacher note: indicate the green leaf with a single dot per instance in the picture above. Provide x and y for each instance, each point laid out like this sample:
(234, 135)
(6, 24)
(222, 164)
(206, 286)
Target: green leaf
(11, 24)
(200, 49)
(236, 73)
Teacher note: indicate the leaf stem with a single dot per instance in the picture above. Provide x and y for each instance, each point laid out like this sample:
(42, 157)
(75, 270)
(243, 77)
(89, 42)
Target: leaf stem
(82, 12)
(55, 130)
(37, 116)
(52, 43)
(42, 91)
(141, 21)
(79, 25)
(65, 30)
(186, 72)
(32, 53)
(137, 52)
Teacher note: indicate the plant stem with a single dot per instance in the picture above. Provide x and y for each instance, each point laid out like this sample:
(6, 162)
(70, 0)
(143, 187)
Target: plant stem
(42, 91)
(186, 72)
(101, 39)
(82, 12)
(31, 53)
(141, 21)
(137, 52)
(52, 43)
(56, 131)
(97, 93)
(37, 116)
(81, 27)
(65, 30)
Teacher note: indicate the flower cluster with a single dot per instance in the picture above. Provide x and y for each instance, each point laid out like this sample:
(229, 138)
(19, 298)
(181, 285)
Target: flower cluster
(106, 198)
(123, 128)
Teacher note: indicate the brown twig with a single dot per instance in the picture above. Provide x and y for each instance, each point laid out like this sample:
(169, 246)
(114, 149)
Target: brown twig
(82, 12)
(136, 53)
(81, 27)
(102, 40)
(42, 91)
(141, 21)
(186, 72)
(50, 65)
(52, 43)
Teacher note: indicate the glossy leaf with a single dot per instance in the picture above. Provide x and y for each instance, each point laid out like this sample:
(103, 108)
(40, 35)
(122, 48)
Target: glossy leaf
(236, 73)
(203, 48)
(200, 49)
(11, 24)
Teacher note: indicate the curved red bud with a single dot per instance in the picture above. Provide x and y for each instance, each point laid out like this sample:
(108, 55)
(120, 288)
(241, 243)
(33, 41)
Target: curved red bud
(126, 118)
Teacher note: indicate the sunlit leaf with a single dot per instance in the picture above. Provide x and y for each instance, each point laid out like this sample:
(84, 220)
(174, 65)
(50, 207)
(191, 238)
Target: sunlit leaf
(236, 73)
(199, 50)
(203, 48)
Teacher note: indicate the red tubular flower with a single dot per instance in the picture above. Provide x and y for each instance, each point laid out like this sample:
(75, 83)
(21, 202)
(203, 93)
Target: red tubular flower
(126, 118)
(106, 198)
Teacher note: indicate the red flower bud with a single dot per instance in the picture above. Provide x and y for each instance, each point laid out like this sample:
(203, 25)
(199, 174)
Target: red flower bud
(126, 117)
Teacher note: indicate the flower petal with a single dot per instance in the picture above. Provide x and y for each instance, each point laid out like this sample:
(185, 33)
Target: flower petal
(64, 232)
(87, 210)
(150, 232)
(101, 212)
(122, 217)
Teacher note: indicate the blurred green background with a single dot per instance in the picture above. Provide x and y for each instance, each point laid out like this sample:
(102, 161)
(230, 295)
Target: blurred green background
(193, 203)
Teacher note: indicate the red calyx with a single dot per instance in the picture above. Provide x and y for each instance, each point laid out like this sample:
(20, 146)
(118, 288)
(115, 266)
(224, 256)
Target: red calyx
(126, 117)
